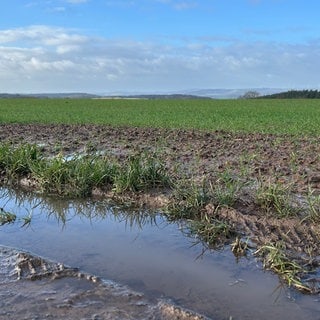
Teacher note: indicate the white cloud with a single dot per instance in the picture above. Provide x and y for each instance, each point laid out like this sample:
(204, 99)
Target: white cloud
(180, 5)
(77, 1)
(42, 58)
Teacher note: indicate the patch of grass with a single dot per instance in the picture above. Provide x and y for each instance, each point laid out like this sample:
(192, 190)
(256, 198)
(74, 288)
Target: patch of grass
(192, 200)
(313, 206)
(17, 161)
(211, 231)
(187, 201)
(275, 198)
(75, 177)
(239, 247)
(298, 117)
(225, 190)
(275, 259)
(140, 172)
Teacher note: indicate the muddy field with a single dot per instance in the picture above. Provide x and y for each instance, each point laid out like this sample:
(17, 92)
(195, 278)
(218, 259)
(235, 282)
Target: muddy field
(283, 160)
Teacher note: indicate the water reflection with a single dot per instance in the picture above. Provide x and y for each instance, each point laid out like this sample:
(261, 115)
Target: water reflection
(146, 252)
(63, 211)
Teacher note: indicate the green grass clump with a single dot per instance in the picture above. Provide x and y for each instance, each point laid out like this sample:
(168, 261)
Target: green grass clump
(140, 172)
(298, 117)
(313, 206)
(188, 200)
(226, 189)
(211, 231)
(275, 259)
(76, 177)
(18, 161)
(275, 198)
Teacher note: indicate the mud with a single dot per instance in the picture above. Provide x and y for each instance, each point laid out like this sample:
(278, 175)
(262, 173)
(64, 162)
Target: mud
(292, 160)
(29, 292)
(288, 160)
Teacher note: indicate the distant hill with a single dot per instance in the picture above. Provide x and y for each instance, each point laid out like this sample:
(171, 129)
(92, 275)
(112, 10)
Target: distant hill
(183, 94)
(71, 95)
(231, 93)
(294, 94)
(158, 96)
(13, 96)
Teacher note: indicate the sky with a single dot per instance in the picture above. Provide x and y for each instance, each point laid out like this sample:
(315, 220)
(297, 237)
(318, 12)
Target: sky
(148, 46)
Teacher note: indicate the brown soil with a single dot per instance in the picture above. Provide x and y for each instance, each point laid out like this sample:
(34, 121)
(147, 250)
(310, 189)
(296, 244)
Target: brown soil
(289, 161)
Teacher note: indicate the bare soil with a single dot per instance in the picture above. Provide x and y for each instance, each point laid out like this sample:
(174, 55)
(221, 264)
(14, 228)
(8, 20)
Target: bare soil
(287, 160)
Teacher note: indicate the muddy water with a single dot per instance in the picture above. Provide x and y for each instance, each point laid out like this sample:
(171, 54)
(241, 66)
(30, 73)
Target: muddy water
(145, 253)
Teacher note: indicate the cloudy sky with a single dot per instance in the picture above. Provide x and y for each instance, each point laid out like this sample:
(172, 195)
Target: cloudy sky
(104, 46)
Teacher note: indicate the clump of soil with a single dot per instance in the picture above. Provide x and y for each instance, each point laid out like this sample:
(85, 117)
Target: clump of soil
(198, 156)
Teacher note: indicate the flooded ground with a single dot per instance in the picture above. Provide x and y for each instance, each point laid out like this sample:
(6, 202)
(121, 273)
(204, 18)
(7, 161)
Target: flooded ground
(143, 252)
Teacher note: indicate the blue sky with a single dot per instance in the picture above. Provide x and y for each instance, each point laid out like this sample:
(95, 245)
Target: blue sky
(107, 46)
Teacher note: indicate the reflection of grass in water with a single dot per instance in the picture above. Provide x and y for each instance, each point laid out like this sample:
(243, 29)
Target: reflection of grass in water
(6, 217)
(63, 210)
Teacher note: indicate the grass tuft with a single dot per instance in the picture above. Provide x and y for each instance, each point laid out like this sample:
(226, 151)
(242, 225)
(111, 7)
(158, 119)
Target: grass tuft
(140, 172)
(211, 231)
(275, 259)
(275, 198)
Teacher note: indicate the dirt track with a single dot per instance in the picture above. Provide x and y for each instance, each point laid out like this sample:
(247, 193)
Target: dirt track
(287, 160)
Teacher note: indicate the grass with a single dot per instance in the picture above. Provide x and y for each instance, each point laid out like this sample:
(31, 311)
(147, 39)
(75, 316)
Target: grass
(18, 161)
(275, 259)
(275, 198)
(267, 116)
(187, 201)
(76, 177)
(141, 172)
(312, 206)
(211, 231)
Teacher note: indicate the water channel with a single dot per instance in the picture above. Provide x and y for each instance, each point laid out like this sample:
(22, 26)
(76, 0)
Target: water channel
(147, 254)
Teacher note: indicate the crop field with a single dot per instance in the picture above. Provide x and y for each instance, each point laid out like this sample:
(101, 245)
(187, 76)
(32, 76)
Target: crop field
(298, 117)
(234, 169)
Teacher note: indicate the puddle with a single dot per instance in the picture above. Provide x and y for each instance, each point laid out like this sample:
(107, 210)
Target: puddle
(144, 253)
(60, 292)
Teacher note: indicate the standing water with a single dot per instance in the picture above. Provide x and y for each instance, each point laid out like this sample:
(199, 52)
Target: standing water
(141, 251)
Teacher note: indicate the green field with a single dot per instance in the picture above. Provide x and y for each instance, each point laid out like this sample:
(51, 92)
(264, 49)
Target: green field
(299, 116)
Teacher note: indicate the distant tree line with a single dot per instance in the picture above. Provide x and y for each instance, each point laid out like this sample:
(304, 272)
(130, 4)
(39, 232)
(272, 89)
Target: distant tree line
(294, 94)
